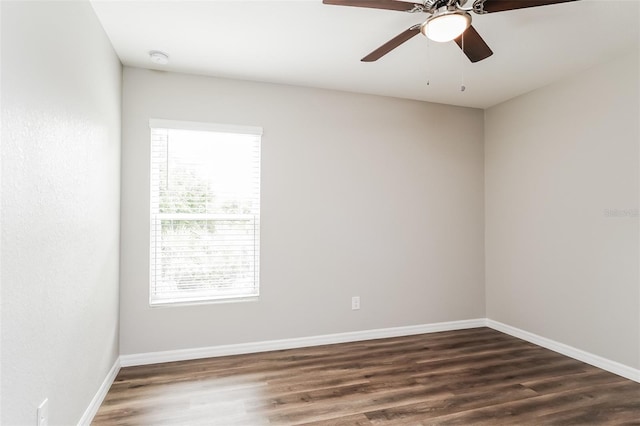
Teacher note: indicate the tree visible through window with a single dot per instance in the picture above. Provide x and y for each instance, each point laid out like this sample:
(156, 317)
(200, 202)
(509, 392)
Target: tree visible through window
(205, 212)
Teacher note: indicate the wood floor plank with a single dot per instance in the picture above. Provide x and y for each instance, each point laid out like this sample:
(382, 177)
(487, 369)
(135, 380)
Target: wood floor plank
(543, 406)
(474, 376)
(573, 381)
(354, 420)
(449, 405)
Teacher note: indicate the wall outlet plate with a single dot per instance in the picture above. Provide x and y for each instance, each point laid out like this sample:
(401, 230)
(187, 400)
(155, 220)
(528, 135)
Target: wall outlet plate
(355, 302)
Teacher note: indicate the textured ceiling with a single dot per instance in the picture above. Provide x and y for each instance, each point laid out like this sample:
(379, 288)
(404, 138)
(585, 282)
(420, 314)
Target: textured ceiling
(303, 42)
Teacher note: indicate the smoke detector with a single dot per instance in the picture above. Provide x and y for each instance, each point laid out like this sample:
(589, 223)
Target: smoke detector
(158, 57)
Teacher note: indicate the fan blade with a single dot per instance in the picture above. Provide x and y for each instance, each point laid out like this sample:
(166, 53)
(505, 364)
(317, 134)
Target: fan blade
(474, 46)
(503, 5)
(401, 6)
(392, 44)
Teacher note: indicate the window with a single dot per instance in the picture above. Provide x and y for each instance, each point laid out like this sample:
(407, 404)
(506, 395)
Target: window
(205, 212)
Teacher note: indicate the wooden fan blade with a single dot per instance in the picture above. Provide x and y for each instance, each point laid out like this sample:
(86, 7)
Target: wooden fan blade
(503, 5)
(401, 6)
(474, 46)
(392, 44)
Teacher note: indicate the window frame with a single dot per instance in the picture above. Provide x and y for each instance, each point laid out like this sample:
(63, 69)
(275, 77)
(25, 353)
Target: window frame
(205, 297)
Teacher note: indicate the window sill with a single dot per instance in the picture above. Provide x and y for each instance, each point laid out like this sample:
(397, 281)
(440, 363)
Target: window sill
(203, 302)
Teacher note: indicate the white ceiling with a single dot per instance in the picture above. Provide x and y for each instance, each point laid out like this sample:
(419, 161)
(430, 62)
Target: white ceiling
(306, 43)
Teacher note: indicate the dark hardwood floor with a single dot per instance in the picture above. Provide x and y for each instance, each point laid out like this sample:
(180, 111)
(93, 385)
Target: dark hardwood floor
(467, 377)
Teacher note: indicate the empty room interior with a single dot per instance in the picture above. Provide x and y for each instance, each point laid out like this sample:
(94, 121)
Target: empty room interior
(318, 212)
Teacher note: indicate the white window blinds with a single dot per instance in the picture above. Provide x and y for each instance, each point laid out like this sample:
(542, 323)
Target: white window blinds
(205, 212)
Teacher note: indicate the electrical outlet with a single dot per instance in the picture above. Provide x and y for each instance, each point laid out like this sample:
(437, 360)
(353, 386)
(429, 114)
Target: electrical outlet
(43, 413)
(355, 302)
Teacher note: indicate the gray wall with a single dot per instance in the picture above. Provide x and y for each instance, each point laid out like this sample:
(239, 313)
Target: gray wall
(361, 195)
(61, 105)
(562, 186)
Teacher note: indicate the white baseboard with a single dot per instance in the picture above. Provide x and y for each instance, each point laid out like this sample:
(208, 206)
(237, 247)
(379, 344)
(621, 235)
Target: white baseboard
(595, 360)
(300, 342)
(93, 407)
(354, 336)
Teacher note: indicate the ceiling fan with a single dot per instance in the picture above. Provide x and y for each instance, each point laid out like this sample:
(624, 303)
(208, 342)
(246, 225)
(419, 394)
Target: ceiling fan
(449, 20)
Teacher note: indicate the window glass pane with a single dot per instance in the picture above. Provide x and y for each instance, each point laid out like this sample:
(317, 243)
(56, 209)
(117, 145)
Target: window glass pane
(205, 215)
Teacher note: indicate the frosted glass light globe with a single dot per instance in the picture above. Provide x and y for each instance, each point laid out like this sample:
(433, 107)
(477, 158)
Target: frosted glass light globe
(446, 26)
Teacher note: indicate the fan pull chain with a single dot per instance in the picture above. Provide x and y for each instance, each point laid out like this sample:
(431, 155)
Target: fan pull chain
(462, 86)
(428, 62)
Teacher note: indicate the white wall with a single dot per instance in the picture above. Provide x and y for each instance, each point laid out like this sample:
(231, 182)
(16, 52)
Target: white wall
(361, 195)
(562, 183)
(61, 105)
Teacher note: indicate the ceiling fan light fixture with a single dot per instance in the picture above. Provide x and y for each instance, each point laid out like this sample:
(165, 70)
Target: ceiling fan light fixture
(446, 25)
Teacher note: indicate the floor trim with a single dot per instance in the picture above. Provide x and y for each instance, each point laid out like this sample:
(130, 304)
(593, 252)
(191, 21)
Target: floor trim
(354, 336)
(595, 360)
(95, 403)
(300, 342)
